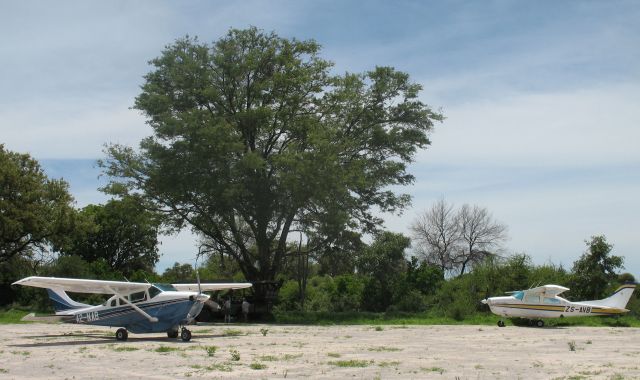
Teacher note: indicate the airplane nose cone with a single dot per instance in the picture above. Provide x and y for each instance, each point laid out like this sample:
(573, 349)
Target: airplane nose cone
(202, 297)
(485, 301)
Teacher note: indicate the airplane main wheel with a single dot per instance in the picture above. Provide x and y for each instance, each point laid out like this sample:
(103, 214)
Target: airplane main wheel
(500, 323)
(122, 334)
(185, 335)
(540, 323)
(173, 333)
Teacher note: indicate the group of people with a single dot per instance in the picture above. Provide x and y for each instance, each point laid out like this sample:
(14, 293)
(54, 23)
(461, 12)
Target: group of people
(244, 308)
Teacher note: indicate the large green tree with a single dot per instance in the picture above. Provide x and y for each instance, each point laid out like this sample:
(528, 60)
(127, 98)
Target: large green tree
(595, 269)
(121, 232)
(254, 137)
(383, 263)
(36, 212)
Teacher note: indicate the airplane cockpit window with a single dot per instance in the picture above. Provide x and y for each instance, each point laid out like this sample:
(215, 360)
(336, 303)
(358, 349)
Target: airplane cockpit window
(154, 291)
(554, 301)
(113, 301)
(137, 297)
(532, 298)
(518, 295)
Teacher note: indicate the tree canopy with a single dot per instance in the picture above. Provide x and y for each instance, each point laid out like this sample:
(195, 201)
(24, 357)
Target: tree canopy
(35, 212)
(121, 232)
(254, 137)
(595, 270)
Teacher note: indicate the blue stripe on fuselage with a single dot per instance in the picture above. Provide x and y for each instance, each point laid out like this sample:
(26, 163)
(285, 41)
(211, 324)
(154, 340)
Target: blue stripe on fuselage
(169, 313)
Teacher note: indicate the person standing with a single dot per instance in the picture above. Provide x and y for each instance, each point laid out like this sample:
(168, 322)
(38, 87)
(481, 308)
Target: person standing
(227, 310)
(245, 310)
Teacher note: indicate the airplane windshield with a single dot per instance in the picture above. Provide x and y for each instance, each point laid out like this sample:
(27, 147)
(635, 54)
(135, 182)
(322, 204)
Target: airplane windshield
(154, 291)
(518, 295)
(166, 287)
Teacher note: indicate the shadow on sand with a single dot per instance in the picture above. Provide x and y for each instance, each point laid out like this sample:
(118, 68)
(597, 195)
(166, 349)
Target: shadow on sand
(98, 339)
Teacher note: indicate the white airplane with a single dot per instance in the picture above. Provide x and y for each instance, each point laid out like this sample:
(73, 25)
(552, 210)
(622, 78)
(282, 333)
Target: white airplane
(545, 302)
(134, 306)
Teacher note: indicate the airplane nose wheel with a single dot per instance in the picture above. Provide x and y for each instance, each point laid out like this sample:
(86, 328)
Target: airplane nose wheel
(185, 334)
(122, 334)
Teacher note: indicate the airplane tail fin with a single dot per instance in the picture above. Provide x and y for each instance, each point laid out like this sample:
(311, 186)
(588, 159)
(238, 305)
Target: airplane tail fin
(619, 298)
(62, 302)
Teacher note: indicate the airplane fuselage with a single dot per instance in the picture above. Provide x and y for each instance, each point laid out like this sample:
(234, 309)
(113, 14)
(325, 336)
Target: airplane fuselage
(169, 309)
(550, 307)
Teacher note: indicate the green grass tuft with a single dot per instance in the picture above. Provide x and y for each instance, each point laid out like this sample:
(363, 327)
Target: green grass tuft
(232, 332)
(351, 363)
(125, 348)
(434, 369)
(384, 349)
(165, 349)
(257, 366)
(211, 350)
(384, 364)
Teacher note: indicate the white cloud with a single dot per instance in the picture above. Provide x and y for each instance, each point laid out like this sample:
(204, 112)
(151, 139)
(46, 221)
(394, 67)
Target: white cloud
(582, 127)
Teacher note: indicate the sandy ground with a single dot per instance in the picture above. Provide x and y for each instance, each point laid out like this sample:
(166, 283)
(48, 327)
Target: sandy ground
(29, 351)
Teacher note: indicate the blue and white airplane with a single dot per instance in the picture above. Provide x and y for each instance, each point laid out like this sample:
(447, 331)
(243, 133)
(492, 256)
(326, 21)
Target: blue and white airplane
(134, 306)
(545, 302)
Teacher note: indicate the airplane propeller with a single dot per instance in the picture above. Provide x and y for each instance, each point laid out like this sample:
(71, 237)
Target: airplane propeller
(198, 279)
(198, 274)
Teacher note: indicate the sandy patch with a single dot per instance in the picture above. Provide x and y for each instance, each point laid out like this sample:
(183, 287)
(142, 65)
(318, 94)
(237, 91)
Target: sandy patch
(364, 352)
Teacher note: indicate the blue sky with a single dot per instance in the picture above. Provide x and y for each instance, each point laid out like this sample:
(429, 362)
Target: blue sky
(541, 99)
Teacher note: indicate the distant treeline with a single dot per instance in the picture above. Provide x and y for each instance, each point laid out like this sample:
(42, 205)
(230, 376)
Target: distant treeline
(383, 279)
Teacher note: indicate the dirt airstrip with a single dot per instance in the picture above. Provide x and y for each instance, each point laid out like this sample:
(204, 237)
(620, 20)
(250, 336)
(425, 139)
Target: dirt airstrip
(46, 351)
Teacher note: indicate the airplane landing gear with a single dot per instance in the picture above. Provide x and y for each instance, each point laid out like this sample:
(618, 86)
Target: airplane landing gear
(185, 334)
(122, 334)
(501, 323)
(173, 333)
(540, 323)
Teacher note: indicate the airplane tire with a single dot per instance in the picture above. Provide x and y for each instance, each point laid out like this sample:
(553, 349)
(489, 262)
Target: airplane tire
(185, 335)
(122, 334)
(540, 323)
(500, 323)
(172, 333)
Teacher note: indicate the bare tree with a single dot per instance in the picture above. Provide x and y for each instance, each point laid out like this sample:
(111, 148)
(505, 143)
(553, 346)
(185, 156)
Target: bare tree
(479, 235)
(437, 235)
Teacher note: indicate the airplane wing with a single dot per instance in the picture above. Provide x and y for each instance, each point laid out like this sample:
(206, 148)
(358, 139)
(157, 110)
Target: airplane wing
(547, 290)
(84, 286)
(213, 286)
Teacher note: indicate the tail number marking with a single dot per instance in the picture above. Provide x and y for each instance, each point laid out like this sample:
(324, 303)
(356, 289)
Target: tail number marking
(87, 317)
(577, 309)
